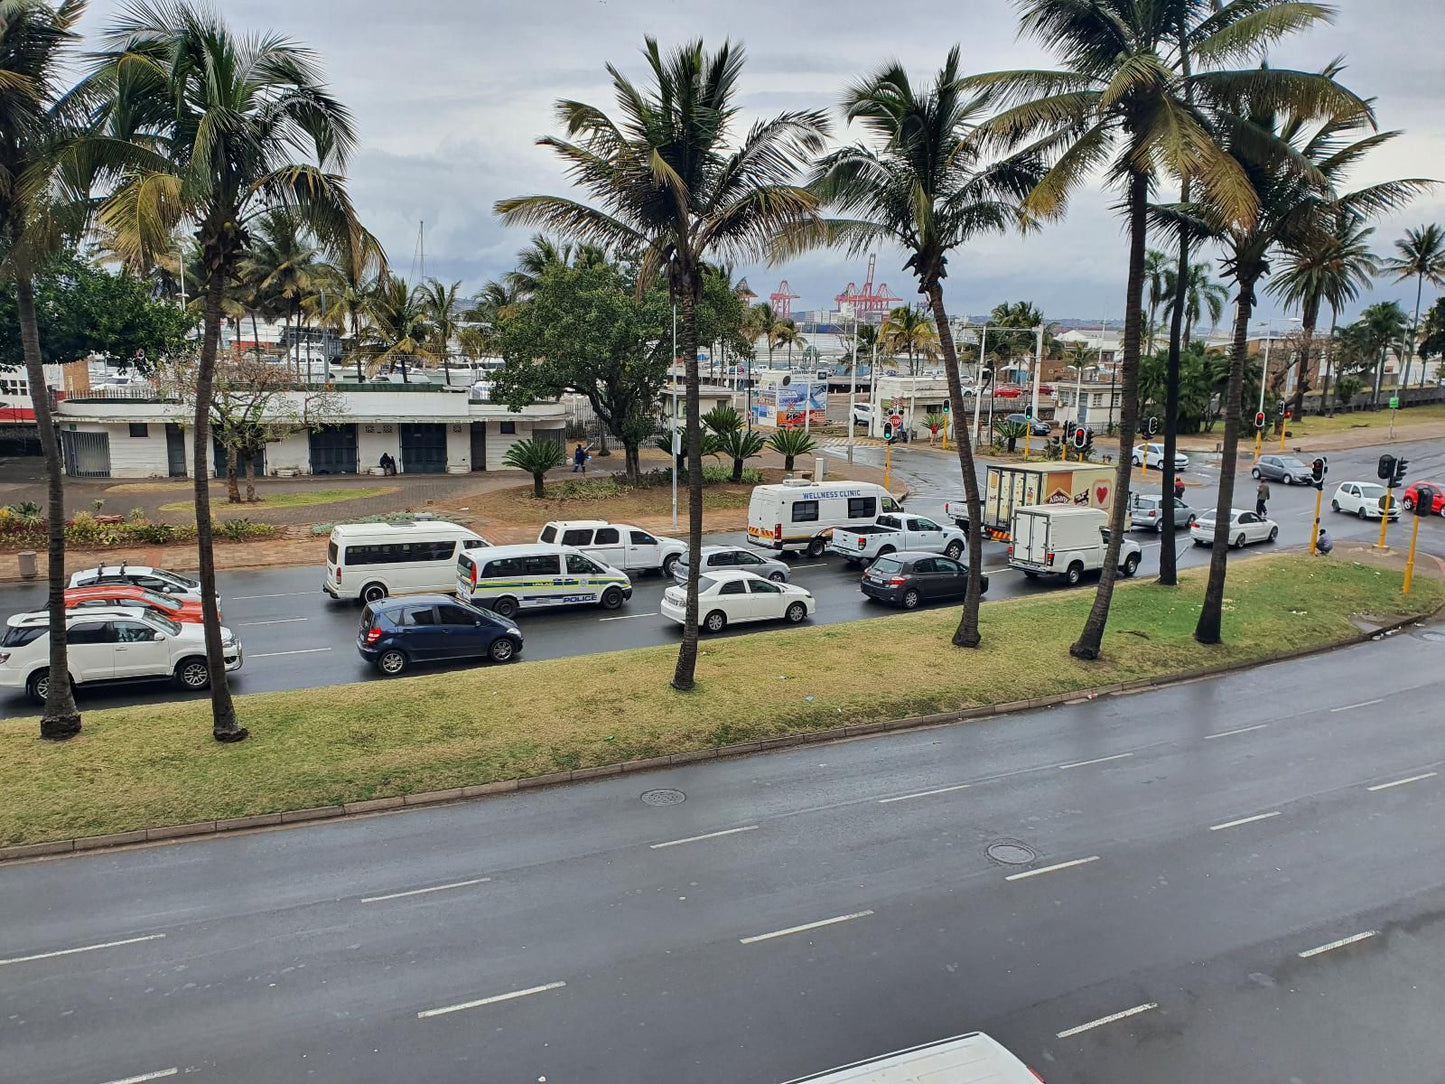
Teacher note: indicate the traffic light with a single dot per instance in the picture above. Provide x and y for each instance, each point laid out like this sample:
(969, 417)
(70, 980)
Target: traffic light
(1081, 436)
(1280, 410)
(1318, 469)
(1288, 414)
(888, 432)
(1400, 465)
(945, 406)
(1425, 497)
(1259, 423)
(1386, 470)
(1151, 426)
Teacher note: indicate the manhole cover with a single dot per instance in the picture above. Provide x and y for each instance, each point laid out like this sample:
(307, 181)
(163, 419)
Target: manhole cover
(663, 796)
(1011, 854)
(1437, 637)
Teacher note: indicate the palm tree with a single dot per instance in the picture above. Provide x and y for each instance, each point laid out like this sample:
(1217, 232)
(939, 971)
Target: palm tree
(1201, 292)
(1156, 281)
(1421, 255)
(34, 41)
(923, 182)
(908, 331)
(1380, 329)
(397, 331)
(282, 267)
(348, 278)
(1127, 99)
(791, 443)
(542, 253)
(438, 307)
(214, 122)
(536, 457)
(674, 189)
(731, 439)
(786, 334)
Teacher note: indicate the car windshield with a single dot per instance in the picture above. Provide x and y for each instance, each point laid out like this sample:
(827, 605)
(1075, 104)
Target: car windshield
(164, 623)
(1291, 463)
(155, 598)
(1372, 491)
(887, 564)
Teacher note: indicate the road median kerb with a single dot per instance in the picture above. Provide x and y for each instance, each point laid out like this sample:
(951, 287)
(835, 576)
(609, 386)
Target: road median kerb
(507, 786)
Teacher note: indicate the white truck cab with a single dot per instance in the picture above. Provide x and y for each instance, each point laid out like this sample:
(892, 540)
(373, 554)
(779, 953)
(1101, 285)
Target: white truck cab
(1065, 541)
(619, 545)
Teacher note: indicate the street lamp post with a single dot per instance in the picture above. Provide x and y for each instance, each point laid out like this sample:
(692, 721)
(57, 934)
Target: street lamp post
(852, 386)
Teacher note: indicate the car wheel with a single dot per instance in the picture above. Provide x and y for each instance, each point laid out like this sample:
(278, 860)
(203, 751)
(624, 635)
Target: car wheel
(983, 585)
(1359, 512)
(1255, 472)
(795, 613)
(1159, 527)
(38, 687)
(1289, 479)
(669, 565)
(910, 599)
(886, 550)
(816, 548)
(1074, 574)
(373, 592)
(1273, 533)
(1408, 503)
(193, 674)
(1030, 574)
(954, 549)
(391, 663)
(1239, 542)
(1200, 542)
(1131, 564)
(504, 606)
(502, 649)
(778, 576)
(715, 621)
(1334, 506)
(612, 598)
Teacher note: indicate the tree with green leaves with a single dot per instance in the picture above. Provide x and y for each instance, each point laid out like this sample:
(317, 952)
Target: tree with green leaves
(1381, 328)
(1202, 294)
(439, 308)
(213, 123)
(672, 186)
(1156, 282)
(1420, 255)
(922, 180)
(732, 440)
(906, 330)
(396, 332)
(791, 443)
(281, 270)
(1432, 342)
(536, 457)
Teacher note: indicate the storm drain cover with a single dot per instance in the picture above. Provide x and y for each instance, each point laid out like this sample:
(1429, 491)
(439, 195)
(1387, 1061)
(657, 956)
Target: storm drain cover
(1436, 637)
(1011, 854)
(663, 796)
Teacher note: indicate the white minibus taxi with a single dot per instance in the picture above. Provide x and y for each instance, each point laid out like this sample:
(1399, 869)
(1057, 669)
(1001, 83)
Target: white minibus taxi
(506, 579)
(974, 1058)
(372, 560)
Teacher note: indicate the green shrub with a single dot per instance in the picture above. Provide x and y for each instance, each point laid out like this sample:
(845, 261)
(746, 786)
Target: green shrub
(28, 511)
(136, 515)
(243, 530)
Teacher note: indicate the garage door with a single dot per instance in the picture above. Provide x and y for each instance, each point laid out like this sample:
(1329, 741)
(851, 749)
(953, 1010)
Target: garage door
(87, 455)
(479, 445)
(220, 457)
(557, 436)
(424, 448)
(333, 450)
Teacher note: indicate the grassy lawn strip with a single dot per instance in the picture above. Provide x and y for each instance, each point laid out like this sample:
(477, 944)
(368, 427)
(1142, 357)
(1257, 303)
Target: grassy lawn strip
(298, 499)
(156, 764)
(1318, 425)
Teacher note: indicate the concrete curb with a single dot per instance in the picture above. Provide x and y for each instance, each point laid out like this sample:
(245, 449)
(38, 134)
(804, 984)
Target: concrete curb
(814, 737)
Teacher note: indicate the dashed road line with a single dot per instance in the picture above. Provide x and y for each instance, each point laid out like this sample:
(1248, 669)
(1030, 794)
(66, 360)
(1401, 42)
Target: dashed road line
(157, 1075)
(1402, 782)
(1111, 1018)
(300, 651)
(629, 617)
(82, 948)
(1243, 820)
(1361, 704)
(490, 1000)
(705, 835)
(924, 794)
(803, 928)
(1096, 760)
(279, 594)
(1230, 733)
(1051, 869)
(424, 891)
(277, 621)
(1341, 943)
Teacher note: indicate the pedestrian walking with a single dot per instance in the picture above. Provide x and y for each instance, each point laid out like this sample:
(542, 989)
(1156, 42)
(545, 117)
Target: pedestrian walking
(579, 460)
(1261, 497)
(1179, 487)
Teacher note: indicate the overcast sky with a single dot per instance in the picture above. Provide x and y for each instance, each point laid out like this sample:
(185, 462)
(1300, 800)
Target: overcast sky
(449, 96)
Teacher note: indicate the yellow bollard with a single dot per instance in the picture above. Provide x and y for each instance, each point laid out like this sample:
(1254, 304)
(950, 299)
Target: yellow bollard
(887, 464)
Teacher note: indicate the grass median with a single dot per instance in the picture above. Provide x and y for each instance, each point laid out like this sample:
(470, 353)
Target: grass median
(157, 765)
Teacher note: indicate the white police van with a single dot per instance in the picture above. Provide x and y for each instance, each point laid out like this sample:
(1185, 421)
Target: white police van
(506, 579)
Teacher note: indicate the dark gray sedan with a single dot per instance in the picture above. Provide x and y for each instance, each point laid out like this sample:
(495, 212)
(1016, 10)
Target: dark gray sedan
(716, 558)
(1283, 468)
(908, 579)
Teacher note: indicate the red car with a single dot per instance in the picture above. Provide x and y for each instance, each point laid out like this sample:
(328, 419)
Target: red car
(185, 610)
(1412, 492)
(1007, 391)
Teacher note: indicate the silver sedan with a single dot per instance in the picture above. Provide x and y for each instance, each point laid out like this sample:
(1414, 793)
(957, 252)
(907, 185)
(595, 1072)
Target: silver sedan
(719, 558)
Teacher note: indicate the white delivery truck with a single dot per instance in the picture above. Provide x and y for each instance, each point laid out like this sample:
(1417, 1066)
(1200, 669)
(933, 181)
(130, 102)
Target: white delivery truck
(1059, 540)
(1007, 487)
(801, 515)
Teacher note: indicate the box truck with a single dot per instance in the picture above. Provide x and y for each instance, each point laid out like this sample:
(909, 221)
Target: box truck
(1008, 486)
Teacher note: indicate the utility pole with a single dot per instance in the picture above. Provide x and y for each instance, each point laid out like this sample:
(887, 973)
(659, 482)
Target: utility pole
(852, 386)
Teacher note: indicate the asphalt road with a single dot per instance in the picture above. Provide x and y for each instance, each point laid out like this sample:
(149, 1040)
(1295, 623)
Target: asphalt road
(1240, 879)
(297, 638)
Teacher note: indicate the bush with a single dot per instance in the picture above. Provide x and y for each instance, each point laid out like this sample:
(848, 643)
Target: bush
(136, 515)
(83, 530)
(243, 530)
(27, 511)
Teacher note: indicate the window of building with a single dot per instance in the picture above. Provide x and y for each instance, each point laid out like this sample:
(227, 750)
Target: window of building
(1098, 398)
(139, 429)
(509, 427)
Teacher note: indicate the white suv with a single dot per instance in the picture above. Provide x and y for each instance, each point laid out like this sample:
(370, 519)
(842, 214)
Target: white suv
(155, 579)
(110, 644)
(620, 545)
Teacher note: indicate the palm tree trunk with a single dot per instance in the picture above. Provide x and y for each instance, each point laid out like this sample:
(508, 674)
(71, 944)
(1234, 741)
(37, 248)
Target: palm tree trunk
(539, 485)
(1207, 630)
(1091, 640)
(1168, 561)
(967, 634)
(1329, 362)
(60, 720)
(1414, 334)
(224, 727)
(682, 678)
(1310, 316)
(255, 335)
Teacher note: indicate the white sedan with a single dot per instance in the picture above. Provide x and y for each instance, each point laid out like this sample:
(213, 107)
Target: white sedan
(1363, 499)
(1244, 527)
(732, 596)
(1153, 454)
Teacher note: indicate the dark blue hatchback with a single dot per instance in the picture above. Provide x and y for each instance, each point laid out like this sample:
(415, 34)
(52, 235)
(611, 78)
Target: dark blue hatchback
(399, 632)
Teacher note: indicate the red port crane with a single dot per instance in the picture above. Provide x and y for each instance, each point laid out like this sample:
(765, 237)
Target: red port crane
(867, 302)
(782, 300)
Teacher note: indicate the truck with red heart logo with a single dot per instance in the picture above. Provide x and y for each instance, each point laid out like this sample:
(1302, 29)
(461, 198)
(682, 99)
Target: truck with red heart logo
(1009, 486)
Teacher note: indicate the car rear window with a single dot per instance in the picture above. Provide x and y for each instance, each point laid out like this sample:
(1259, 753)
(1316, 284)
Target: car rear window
(549, 533)
(577, 537)
(332, 551)
(19, 636)
(887, 564)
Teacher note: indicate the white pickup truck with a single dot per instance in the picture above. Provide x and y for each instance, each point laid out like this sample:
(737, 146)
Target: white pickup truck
(890, 534)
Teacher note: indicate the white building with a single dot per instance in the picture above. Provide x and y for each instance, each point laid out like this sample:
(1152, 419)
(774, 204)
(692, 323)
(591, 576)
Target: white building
(132, 432)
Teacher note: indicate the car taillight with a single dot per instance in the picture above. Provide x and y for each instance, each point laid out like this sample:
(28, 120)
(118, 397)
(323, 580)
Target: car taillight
(1036, 1075)
(1051, 559)
(473, 576)
(861, 543)
(897, 581)
(373, 634)
(338, 574)
(1010, 549)
(777, 532)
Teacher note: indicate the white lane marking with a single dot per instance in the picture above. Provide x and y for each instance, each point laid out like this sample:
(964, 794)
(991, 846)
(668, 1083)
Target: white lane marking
(629, 617)
(1050, 869)
(490, 1000)
(302, 651)
(1361, 704)
(83, 948)
(801, 929)
(1402, 782)
(424, 891)
(277, 621)
(157, 1075)
(280, 594)
(1243, 820)
(707, 835)
(1135, 1011)
(924, 794)
(1096, 760)
(1341, 943)
(1241, 730)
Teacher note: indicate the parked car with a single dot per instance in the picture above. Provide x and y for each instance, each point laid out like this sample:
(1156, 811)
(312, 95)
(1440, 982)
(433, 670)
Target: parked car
(732, 597)
(1153, 454)
(395, 633)
(1066, 541)
(715, 558)
(184, 610)
(1007, 391)
(908, 578)
(1283, 468)
(863, 414)
(891, 533)
(1039, 428)
(155, 579)
(1363, 499)
(1244, 527)
(110, 645)
(1412, 494)
(619, 545)
(1147, 510)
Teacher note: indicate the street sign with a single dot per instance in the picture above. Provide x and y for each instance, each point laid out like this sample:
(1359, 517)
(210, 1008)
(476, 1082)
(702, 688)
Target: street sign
(895, 420)
(1394, 402)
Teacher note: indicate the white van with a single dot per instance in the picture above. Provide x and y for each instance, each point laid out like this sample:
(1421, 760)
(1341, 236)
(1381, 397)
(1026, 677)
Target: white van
(974, 1058)
(620, 545)
(372, 560)
(506, 579)
(800, 515)
(1067, 541)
